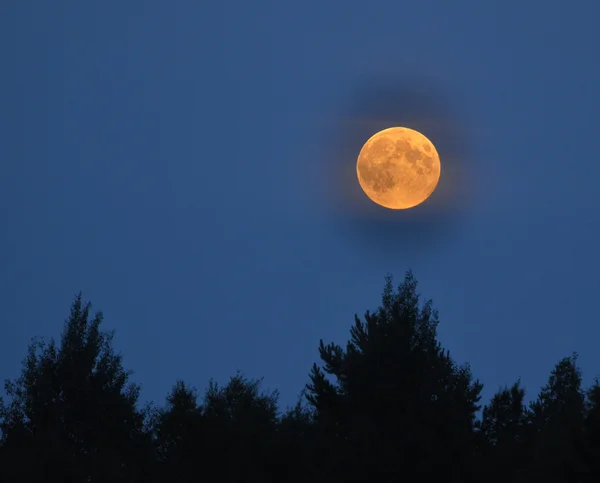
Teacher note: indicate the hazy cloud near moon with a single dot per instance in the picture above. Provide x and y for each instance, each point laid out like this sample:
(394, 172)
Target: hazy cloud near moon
(383, 102)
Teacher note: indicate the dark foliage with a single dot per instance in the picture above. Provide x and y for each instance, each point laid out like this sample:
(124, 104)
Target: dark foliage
(389, 406)
(72, 413)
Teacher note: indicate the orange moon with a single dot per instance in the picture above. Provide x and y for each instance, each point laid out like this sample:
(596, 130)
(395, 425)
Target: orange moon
(398, 168)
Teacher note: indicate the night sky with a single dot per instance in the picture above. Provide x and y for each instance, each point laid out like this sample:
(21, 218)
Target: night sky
(190, 167)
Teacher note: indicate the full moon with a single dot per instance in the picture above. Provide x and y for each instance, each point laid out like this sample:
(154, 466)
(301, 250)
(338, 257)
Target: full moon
(398, 168)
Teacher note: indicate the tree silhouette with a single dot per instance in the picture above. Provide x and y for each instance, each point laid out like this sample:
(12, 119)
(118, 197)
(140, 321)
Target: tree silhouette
(506, 434)
(231, 432)
(179, 433)
(592, 429)
(296, 445)
(391, 405)
(557, 418)
(242, 422)
(399, 405)
(72, 411)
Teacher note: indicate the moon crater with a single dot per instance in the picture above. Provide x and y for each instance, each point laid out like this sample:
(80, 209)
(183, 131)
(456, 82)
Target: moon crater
(398, 168)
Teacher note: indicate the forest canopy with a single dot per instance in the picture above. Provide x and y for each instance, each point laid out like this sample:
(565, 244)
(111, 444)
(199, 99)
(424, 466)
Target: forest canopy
(390, 405)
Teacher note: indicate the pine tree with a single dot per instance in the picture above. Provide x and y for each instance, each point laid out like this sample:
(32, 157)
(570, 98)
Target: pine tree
(180, 435)
(73, 412)
(241, 422)
(557, 418)
(506, 434)
(393, 403)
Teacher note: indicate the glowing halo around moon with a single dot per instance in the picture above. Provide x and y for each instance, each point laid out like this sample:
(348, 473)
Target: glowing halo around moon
(398, 168)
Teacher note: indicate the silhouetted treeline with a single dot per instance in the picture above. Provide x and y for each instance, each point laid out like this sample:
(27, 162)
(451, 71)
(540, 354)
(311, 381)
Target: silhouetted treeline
(389, 406)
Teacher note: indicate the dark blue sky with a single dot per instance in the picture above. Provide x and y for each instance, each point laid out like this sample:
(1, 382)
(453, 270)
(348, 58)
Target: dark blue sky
(190, 166)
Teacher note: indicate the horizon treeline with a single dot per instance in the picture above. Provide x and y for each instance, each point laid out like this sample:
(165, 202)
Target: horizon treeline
(390, 405)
